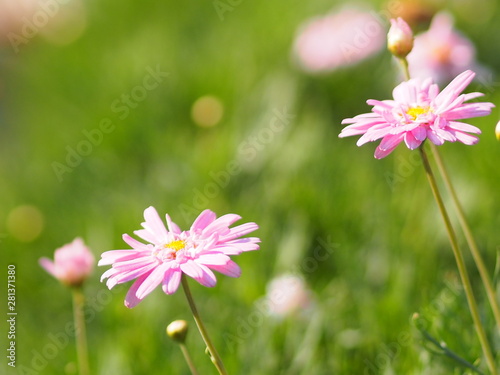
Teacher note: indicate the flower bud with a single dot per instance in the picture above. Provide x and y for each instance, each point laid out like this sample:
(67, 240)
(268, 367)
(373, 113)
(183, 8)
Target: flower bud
(497, 130)
(72, 263)
(399, 38)
(177, 330)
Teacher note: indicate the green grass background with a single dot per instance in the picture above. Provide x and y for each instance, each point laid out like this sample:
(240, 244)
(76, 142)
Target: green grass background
(391, 256)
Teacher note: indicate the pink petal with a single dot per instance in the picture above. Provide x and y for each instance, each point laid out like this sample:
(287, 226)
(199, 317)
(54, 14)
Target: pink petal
(419, 133)
(236, 247)
(131, 299)
(152, 281)
(172, 227)
(221, 225)
(466, 138)
(133, 243)
(48, 266)
(199, 272)
(239, 231)
(434, 138)
(411, 142)
(451, 92)
(154, 224)
(147, 236)
(389, 142)
(213, 259)
(469, 110)
(112, 256)
(121, 277)
(464, 127)
(130, 264)
(171, 281)
(230, 269)
(203, 220)
(373, 134)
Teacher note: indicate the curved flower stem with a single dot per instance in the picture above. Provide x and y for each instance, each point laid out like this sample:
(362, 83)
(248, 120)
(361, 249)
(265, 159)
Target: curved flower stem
(188, 359)
(217, 361)
(460, 264)
(483, 272)
(80, 332)
(404, 64)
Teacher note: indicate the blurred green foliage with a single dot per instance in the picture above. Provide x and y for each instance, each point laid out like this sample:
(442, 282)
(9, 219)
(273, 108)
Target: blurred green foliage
(301, 184)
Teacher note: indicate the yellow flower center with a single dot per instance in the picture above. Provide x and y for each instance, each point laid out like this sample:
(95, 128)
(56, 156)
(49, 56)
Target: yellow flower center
(176, 245)
(416, 111)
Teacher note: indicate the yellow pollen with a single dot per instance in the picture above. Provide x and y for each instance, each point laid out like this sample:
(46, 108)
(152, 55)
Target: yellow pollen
(176, 245)
(416, 111)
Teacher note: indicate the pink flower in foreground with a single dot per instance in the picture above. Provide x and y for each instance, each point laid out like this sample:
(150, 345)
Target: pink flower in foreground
(169, 253)
(72, 264)
(441, 52)
(338, 39)
(419, 111)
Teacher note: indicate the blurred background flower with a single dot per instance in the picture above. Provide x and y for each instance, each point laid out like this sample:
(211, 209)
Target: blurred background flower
(442, 52)
(340, 38)
(72, 265)
(287, 295)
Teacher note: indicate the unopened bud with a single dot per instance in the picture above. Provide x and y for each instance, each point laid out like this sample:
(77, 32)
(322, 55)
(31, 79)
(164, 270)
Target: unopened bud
(177, 330)
(399, 38)
(497, 130)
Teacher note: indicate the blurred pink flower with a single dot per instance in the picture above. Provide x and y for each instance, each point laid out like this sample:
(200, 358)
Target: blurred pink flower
(287, 294)
(420, 111)
(169, 253)
(72, 264)
(338, 39)
(441, 52)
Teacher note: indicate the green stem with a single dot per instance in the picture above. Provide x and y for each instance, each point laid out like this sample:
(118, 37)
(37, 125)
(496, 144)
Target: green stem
(215, 357)
(483, 272)
(80, 332)
(188, 359)
(406, 71)
(460, 264)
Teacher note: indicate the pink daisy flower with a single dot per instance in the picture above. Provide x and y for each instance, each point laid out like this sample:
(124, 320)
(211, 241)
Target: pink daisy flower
(419, 112)
(204, 248)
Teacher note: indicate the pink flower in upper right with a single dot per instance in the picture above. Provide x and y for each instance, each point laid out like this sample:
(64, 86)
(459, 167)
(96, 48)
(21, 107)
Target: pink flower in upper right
(419, 112)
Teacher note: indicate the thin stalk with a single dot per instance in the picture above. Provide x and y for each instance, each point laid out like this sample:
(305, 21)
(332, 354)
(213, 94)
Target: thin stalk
(215, 357)
(188, 359)
(80, 331)
(460, 264)
(404, 64)
(483, 272)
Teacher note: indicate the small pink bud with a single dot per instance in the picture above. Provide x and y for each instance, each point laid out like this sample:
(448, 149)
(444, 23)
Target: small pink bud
(497, 130)
(399, 38)
(72, 263)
